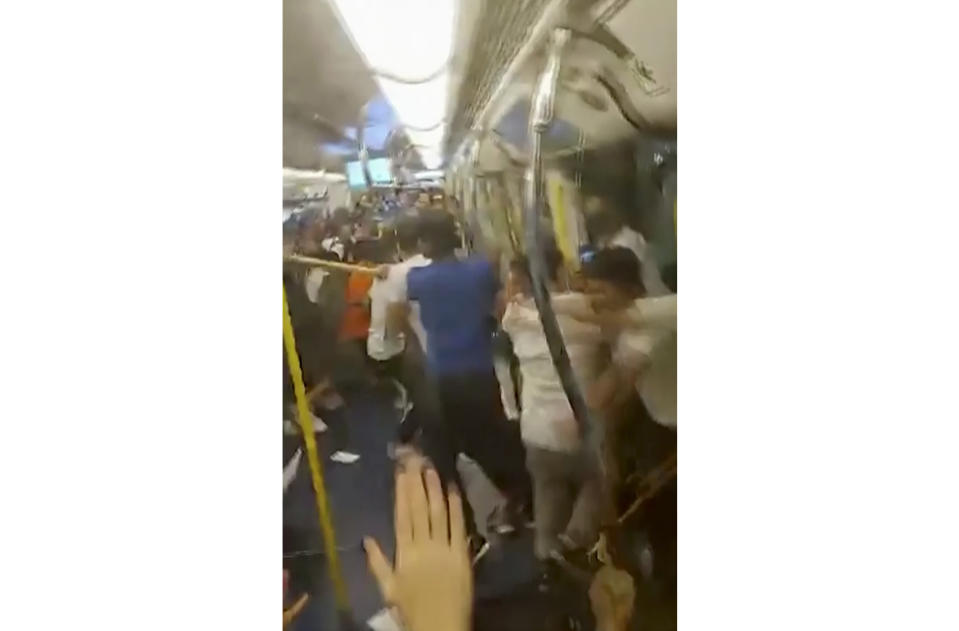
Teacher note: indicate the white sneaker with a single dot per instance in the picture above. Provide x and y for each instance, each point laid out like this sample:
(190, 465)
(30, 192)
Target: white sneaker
(402, 400)
(344, 457)
(289, 471)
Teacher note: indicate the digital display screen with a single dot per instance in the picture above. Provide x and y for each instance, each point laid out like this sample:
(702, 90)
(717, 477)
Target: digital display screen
(381, 172)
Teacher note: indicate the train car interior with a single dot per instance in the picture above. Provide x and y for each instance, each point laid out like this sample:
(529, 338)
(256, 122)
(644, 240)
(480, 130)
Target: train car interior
(539, 127)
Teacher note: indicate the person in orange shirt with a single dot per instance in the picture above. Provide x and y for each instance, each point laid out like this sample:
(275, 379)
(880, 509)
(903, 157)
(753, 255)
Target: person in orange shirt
(355, 324)
(354, 328)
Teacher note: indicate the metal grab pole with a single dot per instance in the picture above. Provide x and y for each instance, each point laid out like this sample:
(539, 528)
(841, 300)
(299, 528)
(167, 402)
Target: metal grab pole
(316, 472)
(335, 265)
(541, 115)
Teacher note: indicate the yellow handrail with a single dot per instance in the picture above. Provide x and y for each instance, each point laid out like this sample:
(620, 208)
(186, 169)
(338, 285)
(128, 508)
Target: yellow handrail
(316, 467)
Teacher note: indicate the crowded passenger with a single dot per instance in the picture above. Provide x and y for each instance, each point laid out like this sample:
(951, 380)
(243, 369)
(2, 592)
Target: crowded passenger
(644, 373)
(313, 314)
(352, 362)
(645, 330)
(610, 230)
(427, 325)
(567, 487)
(457, 299)
(400, 325)
(337, 235)
(385, 345)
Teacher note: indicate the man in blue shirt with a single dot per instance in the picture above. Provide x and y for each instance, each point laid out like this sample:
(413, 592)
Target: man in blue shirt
(458, 302)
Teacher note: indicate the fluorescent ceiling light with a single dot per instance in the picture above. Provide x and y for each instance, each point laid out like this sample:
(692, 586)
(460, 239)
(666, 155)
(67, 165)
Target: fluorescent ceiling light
(432, 138)
(432, 158)
(428, 175)
(410, 39)
(316, 176)
(425, 29)
(419, 105)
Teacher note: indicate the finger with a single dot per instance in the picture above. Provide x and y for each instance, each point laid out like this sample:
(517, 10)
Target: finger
(380, 569)
(295, 610)
(416, 497)
(401, 515)
(457, 529)
(434, 492)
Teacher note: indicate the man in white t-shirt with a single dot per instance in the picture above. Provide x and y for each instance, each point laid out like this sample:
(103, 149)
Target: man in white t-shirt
(644, 359)
(396, 335)
(402, 316)
(612, 231)
(644, 348)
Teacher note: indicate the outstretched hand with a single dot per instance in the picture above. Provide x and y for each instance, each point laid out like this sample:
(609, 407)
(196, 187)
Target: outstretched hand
(431, 583)
(611, 595)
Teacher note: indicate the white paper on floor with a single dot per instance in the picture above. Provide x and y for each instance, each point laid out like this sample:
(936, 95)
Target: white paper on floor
(289, 471)
(384, 620)
(344, 457)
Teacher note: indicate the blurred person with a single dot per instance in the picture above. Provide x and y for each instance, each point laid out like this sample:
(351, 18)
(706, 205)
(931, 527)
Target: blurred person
(312, 328)
(610, 230)
(337, 236)
(645, 328)
(644, 363)
(385, 345)
(567, 481)
(457, 299)
(365, 228)
(354, 328)
(404, 317)
(403, 323)
(345, 299)
(325, 291)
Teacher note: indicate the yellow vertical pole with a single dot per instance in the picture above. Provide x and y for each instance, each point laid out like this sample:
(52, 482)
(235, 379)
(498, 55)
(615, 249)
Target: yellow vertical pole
(316, 467)
(557, 204)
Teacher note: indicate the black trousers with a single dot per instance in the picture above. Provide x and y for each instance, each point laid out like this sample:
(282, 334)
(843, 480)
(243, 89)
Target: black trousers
(472, 422)
(409, 369)
(660, 521)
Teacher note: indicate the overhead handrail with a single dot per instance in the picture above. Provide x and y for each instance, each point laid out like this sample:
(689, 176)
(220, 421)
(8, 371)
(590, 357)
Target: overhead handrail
(334, 265)
(416, 80)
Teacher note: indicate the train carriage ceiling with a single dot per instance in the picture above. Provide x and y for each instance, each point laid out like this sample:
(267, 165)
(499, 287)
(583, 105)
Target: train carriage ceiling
(326, 82)
(325, 85)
